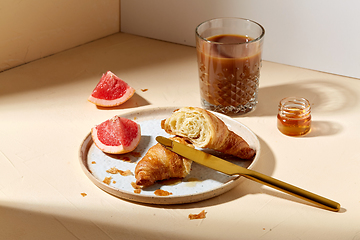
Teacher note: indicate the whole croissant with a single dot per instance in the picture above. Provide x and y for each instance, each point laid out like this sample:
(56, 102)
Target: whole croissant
(205, 130)
(160, 163)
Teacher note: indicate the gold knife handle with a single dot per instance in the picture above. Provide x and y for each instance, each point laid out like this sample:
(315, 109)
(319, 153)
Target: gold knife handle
(292, 190)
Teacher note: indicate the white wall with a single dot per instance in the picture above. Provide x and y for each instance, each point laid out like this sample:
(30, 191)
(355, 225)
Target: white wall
(33, 29)
(318, 34)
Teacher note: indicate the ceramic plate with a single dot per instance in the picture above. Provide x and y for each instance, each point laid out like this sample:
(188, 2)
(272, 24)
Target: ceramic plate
(202, 183)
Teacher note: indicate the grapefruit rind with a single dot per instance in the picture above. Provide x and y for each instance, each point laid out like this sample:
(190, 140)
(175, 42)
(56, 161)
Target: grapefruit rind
(120, 149)
(112, 103)
(111, 85)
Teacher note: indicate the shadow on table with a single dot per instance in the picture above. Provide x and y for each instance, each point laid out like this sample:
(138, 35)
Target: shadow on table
(324, 128)
(135, 101)
(324, 97)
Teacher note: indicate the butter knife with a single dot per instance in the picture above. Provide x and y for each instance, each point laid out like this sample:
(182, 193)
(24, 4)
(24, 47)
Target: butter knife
(229, 168)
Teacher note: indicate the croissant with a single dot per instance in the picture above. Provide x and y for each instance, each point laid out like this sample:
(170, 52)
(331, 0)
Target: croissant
(160, 163)
(205, 130)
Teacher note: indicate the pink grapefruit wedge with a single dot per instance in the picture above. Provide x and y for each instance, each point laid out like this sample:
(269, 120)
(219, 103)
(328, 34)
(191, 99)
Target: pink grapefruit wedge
(111, 91)
(116, 135)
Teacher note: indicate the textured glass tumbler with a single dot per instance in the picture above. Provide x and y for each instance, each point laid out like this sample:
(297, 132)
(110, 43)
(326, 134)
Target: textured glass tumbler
(229, 60)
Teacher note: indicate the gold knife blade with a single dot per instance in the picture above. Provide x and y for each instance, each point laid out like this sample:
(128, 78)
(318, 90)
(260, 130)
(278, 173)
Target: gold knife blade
(229, 168)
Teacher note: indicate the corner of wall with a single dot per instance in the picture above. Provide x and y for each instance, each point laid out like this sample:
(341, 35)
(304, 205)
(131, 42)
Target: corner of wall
(33, 31)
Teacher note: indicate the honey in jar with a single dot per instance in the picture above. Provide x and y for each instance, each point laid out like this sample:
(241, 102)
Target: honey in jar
(294, 116)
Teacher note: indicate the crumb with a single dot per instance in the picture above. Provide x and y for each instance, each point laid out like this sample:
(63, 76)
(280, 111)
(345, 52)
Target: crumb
(126, 159)
(135, 154)
(114, 182)
(107, 180)
(93, 162)
(201, 215)
(160, 192)
(138, 191)
(83, 194)
(144, 89)
(135, 186)
(114, 170)
(125, 173)
(135, 118)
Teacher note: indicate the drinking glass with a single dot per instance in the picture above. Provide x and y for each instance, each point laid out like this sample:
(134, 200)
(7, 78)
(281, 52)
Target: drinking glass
(229, 52)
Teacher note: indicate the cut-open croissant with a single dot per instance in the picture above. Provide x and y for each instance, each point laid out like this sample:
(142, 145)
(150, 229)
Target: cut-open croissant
(159, 163)
(205, 130)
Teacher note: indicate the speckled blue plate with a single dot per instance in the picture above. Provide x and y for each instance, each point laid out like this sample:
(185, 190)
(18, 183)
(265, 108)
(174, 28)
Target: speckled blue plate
(202, 183)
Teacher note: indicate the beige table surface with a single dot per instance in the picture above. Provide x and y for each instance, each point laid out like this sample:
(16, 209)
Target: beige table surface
(45, 115)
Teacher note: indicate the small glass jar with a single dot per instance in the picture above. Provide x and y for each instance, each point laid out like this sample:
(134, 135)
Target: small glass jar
(294, 116)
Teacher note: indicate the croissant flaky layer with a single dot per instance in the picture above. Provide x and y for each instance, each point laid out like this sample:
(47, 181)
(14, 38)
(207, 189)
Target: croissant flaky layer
(160, 163)
(206, 130)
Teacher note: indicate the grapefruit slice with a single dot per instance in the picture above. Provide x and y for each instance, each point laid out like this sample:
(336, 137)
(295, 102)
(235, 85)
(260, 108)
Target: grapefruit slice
(111, 91)
(116, 135)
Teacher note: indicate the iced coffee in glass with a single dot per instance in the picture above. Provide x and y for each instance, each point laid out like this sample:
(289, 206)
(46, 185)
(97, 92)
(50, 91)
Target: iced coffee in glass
(229, 60)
